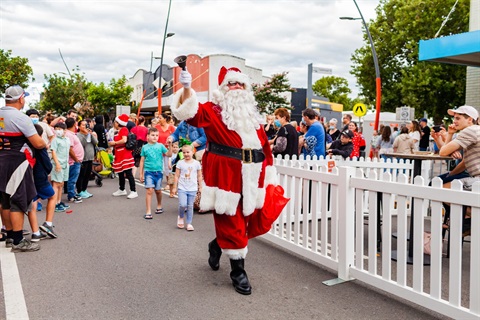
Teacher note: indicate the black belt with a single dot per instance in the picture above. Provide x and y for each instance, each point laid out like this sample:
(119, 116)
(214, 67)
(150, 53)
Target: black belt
(245, 155)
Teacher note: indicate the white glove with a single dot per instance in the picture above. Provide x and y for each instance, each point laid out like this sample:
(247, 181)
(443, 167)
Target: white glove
(185, 79)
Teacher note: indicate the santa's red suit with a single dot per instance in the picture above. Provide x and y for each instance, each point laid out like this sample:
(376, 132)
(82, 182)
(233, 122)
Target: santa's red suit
(232, 188)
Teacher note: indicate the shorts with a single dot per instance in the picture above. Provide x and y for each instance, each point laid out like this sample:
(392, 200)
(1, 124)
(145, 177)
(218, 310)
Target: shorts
(8, 205)
(45, 193)
(61, 176)
(153, 179)
(468, 182)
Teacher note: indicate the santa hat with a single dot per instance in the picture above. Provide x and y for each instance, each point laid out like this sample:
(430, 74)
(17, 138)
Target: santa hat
(122, 119)
(232, 74)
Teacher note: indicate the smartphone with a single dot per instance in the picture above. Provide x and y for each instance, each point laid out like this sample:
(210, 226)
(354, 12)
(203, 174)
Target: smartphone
(437, 128)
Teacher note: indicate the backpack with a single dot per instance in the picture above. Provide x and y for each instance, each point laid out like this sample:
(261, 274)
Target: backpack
(131, 143)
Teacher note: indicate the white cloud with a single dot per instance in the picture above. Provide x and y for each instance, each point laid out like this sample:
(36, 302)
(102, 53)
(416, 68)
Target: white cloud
(108, 39)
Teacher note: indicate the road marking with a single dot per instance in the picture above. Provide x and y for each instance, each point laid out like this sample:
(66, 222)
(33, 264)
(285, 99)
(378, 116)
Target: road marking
(15, 306)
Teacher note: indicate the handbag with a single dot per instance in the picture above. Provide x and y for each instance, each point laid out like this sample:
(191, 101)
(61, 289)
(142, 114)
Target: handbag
(196, 203)
(261, 220)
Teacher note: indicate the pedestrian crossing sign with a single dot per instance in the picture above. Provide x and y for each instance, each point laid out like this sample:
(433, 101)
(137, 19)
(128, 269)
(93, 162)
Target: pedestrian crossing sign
(359, 110)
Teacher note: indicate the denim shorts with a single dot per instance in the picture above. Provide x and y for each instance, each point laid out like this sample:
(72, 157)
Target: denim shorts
(153, 179)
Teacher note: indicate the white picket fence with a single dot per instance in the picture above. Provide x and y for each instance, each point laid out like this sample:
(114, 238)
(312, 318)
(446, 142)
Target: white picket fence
(321, 223)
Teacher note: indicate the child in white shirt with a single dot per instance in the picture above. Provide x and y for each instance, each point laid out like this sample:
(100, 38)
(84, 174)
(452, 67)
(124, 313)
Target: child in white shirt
(188, 179)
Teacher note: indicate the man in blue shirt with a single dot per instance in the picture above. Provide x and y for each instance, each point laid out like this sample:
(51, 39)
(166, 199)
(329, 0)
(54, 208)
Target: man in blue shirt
(314, 141)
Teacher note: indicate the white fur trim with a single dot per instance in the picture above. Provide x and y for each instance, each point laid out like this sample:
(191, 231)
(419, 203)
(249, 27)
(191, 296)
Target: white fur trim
(260, 198)
(120, 122)
(187, 109)
(236, 254)
(270, 176)
(223, 202)
(236, 76)
(250, 176)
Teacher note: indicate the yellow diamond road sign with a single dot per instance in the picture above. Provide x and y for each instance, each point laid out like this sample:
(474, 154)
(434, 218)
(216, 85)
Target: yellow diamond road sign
(359, 110)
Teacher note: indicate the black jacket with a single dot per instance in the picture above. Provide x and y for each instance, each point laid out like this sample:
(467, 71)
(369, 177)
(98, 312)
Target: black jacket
(343, 150)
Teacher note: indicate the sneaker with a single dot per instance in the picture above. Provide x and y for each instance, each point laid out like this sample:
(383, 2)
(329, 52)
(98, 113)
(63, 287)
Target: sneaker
(39, 206)
(48, 230)
(25, 246)
(84, 195)
(78, 196)
(132, 195)
(66, 206)
(60, 208)
(119, 193)
(25, 232)
(89, 195)
(8, 242)
(36, 238)
(75, 199)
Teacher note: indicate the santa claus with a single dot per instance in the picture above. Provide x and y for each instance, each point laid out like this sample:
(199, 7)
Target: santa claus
(238, 164)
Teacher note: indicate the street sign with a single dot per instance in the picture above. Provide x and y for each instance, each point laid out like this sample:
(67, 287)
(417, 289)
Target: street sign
(322, 70)
(359, 110)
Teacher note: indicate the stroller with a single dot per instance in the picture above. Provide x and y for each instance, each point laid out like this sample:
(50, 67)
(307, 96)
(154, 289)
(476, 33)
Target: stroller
(102, 168)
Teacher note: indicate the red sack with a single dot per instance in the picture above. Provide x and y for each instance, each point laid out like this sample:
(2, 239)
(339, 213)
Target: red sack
(261, 220)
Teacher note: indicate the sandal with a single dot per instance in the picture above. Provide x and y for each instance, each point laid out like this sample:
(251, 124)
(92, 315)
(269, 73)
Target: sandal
(147, 216)
(159, 211)
(180, 224)
(190, 227)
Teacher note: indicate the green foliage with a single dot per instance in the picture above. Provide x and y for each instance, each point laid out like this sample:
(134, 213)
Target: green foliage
(335, 89)
(62, 93)
(269, 95)
(14, 70)
(425, 86)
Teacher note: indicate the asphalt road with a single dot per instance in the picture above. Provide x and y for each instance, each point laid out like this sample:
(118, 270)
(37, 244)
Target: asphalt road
(110, 263)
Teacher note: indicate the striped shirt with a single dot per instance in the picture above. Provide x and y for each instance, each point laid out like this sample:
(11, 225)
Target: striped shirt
(469, 140)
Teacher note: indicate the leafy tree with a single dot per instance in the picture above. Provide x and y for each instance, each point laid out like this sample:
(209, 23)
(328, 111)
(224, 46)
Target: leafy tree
(269, 95)
(425, 86)
(104, 98)
(14, 70)
(63, 93)
(335, 89)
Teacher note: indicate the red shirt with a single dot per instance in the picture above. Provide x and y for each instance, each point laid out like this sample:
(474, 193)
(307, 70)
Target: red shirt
(163, 135)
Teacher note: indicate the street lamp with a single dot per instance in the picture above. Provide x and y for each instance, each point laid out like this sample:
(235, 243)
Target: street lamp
(378, 81)
(165, 36)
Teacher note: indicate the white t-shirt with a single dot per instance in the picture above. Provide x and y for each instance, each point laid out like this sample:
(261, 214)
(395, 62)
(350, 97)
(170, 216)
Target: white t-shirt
(188, 180)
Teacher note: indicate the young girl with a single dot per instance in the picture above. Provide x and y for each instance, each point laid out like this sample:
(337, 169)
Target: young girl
(188, 179)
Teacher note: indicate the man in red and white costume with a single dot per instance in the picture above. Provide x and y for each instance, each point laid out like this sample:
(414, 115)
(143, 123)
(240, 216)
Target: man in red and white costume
(238, 163)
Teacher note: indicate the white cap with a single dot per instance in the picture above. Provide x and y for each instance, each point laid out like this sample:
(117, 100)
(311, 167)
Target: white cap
(468, 110)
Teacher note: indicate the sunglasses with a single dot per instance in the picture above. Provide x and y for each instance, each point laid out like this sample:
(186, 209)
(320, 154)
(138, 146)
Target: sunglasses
(234, 83)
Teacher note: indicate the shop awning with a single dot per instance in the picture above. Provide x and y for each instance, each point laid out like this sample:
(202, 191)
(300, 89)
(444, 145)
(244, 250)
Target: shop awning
(463, 49)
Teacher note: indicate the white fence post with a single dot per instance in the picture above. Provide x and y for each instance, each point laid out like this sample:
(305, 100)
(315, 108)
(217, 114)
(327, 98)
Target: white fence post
(346, 223)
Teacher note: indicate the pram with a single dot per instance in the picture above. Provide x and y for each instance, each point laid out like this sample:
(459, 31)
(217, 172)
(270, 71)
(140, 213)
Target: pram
(102, 168)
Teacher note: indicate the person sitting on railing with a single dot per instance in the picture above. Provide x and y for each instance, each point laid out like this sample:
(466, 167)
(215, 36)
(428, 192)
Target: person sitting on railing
(343, 146)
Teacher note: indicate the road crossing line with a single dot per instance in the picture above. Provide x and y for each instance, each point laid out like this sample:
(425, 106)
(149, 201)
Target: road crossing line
(15, 305)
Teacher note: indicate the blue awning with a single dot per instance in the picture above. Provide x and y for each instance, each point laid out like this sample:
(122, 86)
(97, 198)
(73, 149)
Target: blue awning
(463, 48)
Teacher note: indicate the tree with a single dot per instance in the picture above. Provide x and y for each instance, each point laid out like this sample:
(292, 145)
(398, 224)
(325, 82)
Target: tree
(63, 93)
(104, 98)
(14, 70)
(335, 89)
(269, 95)
(425, 86)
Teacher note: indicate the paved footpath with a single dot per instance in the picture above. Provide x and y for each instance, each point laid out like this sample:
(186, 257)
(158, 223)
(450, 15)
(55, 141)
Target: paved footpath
(110, 263)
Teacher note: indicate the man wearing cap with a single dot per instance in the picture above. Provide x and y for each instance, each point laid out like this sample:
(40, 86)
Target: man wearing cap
(342, 146)
(425, 139)
(468, 139)
(238, 164)
(17, 189)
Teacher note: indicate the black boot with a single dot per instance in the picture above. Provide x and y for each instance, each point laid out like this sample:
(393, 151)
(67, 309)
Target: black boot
(215, 254)
(239, 277)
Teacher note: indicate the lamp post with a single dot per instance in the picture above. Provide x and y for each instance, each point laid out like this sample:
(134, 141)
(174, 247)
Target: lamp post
(165, 36)
(378, 81)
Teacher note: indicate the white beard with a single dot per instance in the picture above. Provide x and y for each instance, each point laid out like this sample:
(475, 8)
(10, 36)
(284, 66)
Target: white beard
(239, 111)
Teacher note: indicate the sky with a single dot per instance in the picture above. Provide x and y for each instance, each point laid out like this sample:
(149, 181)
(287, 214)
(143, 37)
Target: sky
(107, 39)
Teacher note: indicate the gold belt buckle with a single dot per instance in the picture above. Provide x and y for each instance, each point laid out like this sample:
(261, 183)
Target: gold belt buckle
(249, 152)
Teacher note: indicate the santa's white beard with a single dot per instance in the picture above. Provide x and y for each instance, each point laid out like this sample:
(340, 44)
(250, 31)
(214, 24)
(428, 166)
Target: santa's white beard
(239, 111)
